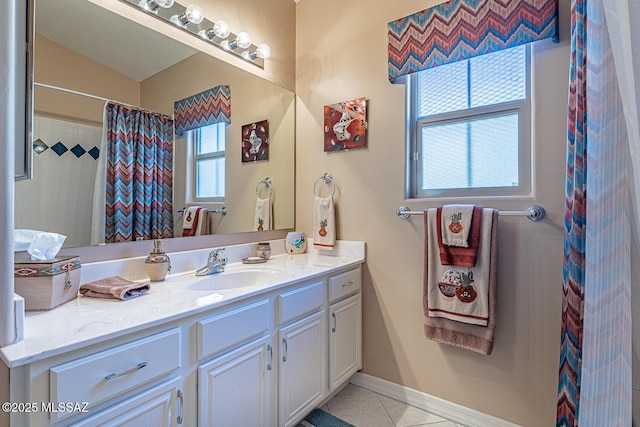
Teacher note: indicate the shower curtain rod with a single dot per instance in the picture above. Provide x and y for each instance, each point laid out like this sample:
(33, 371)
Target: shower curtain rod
(99, 98)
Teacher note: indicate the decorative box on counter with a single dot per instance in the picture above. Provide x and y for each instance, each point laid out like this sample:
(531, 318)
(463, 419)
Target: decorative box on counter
(46, 284)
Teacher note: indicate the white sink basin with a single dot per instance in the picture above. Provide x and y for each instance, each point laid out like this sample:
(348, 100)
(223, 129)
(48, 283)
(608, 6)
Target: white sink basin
(238, 277)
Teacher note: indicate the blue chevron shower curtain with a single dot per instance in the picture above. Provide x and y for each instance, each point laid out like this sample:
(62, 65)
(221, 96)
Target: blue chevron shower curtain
(138, 176)
(601, 226)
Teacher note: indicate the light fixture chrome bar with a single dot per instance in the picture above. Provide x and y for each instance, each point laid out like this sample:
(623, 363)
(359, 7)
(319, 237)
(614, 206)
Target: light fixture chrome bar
(201, 30)
(534, 213)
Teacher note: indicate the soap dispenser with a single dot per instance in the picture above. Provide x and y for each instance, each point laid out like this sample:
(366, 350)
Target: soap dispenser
(157, 263)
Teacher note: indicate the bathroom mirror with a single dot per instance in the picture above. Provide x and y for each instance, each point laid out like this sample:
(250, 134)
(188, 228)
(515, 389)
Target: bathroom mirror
(85, 48)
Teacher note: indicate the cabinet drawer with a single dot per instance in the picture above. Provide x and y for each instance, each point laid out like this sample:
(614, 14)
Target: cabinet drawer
(300, 301)
(344, 284)
(109, 373)
(232, 328)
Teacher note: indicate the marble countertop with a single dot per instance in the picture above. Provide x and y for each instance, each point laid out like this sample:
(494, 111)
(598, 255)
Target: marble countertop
(85, 321)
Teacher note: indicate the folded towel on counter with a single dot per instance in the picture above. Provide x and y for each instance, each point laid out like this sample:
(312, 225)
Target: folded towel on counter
(262, 218)
(453, 255)
(460, 302)
(324, 223)
(456, 225)
(114, 287)
(195, 221)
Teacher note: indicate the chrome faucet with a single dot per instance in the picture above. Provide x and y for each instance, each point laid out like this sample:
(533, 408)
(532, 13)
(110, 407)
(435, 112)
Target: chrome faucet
(215, 264)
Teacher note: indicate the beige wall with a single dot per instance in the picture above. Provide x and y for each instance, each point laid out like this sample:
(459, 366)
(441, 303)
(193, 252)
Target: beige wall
(341, 55)
(58, 66)
(253, 99)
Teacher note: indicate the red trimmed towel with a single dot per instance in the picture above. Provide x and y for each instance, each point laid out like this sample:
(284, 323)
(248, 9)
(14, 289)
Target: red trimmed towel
(459, 302)
(453, 255)
(195, 221)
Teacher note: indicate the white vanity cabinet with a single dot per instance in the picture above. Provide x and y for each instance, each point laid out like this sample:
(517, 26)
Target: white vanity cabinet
(234, 388)
(160, 406)
(266, 358)
(345, 327)
(302, 361)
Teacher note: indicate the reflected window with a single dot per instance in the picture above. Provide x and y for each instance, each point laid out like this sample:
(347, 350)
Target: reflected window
(209, 158)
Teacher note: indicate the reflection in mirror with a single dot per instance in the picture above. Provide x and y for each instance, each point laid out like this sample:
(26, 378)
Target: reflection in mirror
(84, 48)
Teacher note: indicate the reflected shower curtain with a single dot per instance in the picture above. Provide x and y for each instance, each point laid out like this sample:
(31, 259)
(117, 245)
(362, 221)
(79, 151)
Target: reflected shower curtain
(601, 227)
(137, 155)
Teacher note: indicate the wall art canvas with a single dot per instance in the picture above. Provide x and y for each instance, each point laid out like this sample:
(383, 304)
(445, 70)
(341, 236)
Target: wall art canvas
(255, 141)
(345, 125)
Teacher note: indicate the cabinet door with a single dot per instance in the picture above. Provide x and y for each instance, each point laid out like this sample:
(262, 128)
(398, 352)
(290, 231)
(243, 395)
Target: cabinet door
(233, 389)
(302, 367)
(345, 343)
(160, 406)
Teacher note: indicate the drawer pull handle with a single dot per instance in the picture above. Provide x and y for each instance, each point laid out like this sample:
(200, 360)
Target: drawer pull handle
(286, 349)
(180, 416)
(335, 322)
(269, 356)
(130, 371)
(344, 285)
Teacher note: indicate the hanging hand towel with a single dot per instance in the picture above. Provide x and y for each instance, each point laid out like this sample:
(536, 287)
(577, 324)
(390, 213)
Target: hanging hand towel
(324, 223)
(202, 228)
(262, 220)
(453, 255)
(460, 302)
(456, 225)
(195, 222)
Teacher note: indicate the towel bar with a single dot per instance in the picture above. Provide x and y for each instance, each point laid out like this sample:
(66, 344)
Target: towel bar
(222, 210)
(534, 213)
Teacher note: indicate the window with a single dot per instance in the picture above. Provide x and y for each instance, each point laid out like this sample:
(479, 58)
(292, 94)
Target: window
(470, 124)
(209, 162)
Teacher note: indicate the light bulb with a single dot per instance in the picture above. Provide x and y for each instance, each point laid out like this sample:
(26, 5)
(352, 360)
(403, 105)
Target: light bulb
(153, 5)
(263, 51)
(194, 14)
(243, 40)
(221, 29)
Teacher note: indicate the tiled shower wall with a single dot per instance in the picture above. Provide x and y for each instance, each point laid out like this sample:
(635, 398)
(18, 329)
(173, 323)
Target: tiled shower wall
(59, 198)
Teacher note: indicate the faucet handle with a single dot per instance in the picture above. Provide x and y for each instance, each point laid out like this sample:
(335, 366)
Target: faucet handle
(218, 254)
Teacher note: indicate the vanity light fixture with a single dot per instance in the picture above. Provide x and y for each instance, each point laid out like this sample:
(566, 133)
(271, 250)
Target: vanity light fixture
(154, 5)
(192, 14)
(191, 19)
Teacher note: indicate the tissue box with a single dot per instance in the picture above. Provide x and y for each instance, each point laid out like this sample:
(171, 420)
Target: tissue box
(47, 284)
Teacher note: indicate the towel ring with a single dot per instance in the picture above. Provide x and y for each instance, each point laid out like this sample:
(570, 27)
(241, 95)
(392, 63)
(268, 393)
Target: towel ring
(328, 179)
(267, 183)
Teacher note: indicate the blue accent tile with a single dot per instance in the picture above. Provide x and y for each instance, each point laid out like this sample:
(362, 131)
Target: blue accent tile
(95, 153)
(39, 146)
(78, 150)
(59, 148)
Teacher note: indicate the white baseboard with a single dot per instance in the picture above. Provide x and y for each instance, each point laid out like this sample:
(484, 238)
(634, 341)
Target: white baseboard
(426, 402)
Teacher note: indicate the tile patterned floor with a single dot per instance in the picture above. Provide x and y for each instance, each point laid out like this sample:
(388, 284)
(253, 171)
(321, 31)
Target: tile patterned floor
(364, 408)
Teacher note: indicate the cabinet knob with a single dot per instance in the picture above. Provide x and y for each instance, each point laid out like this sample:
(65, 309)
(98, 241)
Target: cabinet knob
(335, 322)
(285, 349)
(269, 356)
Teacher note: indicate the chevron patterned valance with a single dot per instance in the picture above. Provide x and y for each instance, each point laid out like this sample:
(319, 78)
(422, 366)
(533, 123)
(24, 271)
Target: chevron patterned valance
(203, 109)
(462, 29)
